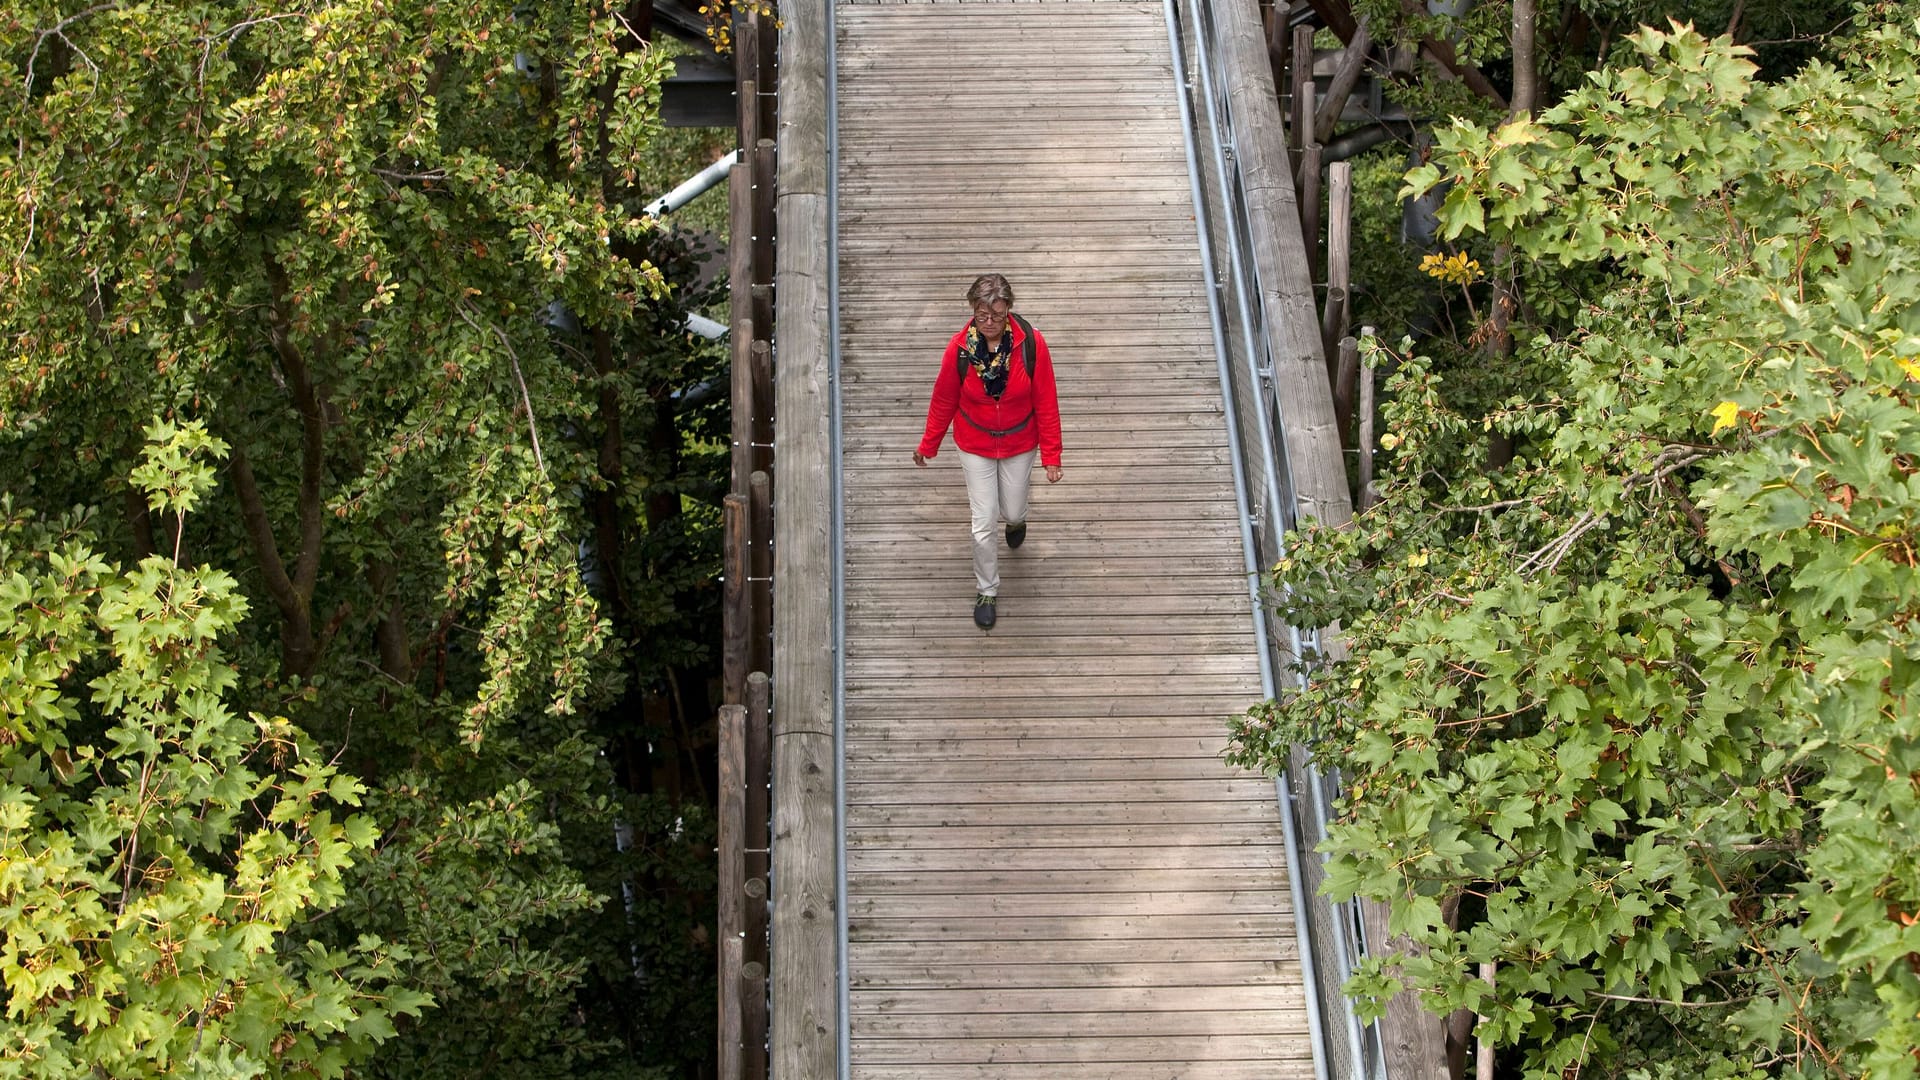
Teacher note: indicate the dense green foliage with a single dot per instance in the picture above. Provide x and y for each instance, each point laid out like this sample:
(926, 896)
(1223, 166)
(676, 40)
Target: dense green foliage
(1635, 717)
(1574, 38)
(460, 537)
(157, 844)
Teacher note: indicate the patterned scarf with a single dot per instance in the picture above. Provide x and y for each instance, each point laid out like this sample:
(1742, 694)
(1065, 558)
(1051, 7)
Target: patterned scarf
(989, 363)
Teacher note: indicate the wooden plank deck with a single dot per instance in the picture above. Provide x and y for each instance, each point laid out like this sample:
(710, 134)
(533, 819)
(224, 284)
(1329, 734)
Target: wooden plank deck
(1051, 874)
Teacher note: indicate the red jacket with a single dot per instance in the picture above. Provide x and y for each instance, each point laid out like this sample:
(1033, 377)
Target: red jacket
(1027, 414)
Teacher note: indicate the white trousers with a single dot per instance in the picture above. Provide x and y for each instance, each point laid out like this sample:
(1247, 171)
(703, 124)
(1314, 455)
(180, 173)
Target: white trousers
(996, 491)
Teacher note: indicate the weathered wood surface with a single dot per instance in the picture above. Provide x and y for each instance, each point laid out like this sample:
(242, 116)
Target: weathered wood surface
(1051, 873)
(802, 1039)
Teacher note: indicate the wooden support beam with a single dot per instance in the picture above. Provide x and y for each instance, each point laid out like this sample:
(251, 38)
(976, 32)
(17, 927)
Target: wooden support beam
(1337, 16)
(1280, 255)
(1346, 76)
(802, 977)
(1414, 1040)
(766, 59)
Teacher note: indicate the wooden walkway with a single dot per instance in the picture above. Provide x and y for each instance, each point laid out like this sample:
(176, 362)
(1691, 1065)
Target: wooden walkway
(1051, 874)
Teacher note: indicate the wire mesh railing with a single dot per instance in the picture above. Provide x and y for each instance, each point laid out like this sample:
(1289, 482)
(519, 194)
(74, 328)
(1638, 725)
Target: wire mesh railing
(1214, 59)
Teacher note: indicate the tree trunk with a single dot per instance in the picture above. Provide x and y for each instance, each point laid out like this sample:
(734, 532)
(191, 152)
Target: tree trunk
(1506, 297)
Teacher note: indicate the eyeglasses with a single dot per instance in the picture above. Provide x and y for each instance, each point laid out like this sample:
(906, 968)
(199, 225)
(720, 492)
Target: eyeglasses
(986, 315)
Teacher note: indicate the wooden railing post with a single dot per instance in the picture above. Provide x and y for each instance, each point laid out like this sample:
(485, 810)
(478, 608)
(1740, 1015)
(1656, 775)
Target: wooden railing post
(736, 624)
(741, 336)
(1363, 496)
(1308, 183)
(759, 575)
(759, 761)
(1339, 250)
(1300, 89)
(1346, 376)
(1333, 320)
(732, 909)
(760, 372)
(747, 599)
(765, 162)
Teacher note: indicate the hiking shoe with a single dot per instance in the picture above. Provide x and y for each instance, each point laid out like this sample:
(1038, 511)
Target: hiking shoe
(1016, 534)
(983, 611)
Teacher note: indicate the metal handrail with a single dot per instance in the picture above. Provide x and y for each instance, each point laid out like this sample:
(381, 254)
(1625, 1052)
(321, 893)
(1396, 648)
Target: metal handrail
(1270, 664)
(1326, 929)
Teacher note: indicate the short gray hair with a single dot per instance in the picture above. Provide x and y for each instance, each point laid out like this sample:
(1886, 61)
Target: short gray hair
(990, 289)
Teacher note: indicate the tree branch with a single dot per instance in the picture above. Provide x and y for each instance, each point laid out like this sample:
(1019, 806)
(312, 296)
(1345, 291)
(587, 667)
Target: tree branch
(313, 434)
(1503, 504)
(298, 653)
(1339, 18)
(1664, 464)
(259, 528)
(1526, 71)
(1443, 54)
(58, 30)
(390, 633)
(1676, 1004)
(526, 399)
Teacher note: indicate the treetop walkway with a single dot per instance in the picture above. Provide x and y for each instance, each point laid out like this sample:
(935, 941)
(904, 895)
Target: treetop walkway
(1019, 853)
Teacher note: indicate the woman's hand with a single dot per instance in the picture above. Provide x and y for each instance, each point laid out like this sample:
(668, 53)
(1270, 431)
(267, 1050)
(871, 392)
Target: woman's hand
(1053, 474)
(920, 459)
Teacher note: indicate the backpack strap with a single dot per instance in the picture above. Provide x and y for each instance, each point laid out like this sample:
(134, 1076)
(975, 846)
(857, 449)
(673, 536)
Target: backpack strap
(1027, 350)
(1026, 342)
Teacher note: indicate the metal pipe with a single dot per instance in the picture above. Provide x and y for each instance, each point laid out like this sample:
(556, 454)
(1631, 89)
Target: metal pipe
(1203, 221)
(693, 188)
(711, 329)
(843, 1037)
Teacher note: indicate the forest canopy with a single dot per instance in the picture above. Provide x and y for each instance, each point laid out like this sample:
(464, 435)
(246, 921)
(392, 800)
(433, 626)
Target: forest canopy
(1629, 710)
(357, 558)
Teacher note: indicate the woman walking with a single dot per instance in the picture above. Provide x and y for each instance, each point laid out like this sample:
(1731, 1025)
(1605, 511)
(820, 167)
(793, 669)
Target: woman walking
(995, 389)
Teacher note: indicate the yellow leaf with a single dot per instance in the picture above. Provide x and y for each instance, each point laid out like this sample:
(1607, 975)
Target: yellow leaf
(1418, 558)
(1725, 415)
(1515, 133)
(1910, 365)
